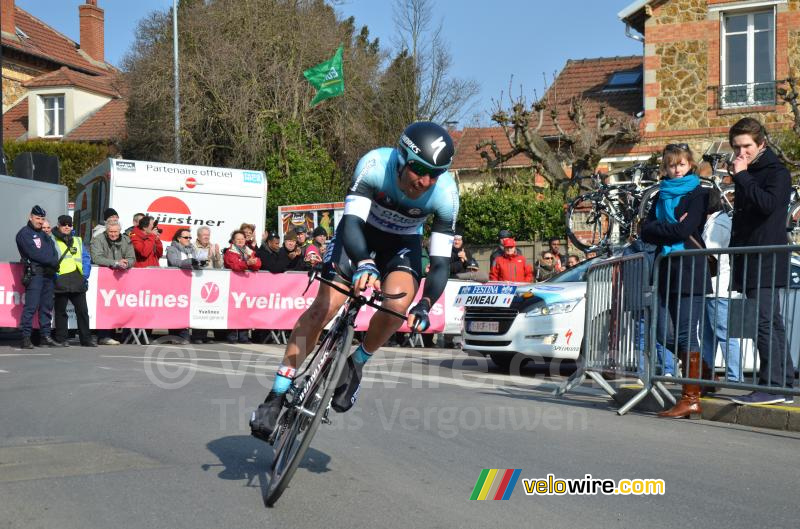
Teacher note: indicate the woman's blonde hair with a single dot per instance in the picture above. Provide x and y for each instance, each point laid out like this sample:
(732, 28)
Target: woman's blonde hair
(675, 152)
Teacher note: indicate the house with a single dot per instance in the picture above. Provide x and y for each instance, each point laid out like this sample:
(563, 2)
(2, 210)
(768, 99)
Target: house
(614, 83)
(55, 88)
(708, 63)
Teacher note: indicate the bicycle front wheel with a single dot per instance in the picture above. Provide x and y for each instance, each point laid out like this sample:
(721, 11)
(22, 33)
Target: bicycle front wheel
(588, 222)
(793, 223)
(300, 423)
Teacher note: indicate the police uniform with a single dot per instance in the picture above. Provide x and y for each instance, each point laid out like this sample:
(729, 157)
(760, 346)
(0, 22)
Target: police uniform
(70, 284)
(38, 250)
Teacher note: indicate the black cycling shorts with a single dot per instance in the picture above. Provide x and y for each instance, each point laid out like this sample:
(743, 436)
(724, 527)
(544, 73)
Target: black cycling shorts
(391, 253)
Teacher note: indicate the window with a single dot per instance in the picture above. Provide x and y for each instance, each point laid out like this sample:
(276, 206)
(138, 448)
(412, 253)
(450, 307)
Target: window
(631, 79)
(748, 59)
(53, 115)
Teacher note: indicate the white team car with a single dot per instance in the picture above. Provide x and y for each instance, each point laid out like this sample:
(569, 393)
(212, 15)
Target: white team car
(544, 321)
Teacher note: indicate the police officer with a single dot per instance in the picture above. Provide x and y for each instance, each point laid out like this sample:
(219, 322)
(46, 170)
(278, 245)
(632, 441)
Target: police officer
(71, 283)
(40, 258)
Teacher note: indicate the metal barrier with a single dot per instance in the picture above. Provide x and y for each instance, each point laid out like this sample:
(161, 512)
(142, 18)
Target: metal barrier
(761, 315)
(616, 338)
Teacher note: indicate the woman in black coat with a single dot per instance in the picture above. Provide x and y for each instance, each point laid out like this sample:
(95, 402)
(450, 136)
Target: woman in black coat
(675, 223)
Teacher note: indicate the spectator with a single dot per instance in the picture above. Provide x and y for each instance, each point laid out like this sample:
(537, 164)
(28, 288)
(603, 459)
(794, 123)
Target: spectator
(497, 252)
(249, 231)
(559, 260)
(472, 272)
(316, 249)
(717, 234)
(39, 256)
(290, 256)
(206, 251)
(573, 260)
(136, 219)
(146, 243)
(114, 251)
(511, 266)
(46, 228)
(182, 254)
(762, 186)
(269, 251)
(109, 213)
(545, 267)
(70, 286)
(675, 223)
(458, 256)
(302, 237)
(240, 258)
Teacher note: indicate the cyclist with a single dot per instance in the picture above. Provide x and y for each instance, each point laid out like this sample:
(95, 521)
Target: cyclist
(378, 244)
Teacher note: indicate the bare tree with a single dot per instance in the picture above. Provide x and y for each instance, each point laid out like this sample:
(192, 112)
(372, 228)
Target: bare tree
(578, 143)
(789, 94)
(437, 95)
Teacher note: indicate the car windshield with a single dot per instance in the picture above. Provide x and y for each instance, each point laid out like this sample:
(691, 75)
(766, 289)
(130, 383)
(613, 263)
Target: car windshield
(575, 274)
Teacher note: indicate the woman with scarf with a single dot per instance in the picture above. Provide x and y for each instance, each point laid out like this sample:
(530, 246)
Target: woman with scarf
(675, 224)
(239, 257)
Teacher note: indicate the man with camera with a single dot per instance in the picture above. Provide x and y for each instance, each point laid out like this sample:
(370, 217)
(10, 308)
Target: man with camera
(146, 242)
(73, 270)
(37, 252)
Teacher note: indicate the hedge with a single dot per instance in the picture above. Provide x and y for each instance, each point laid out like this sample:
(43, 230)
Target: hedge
(76, 158)
(528, 215)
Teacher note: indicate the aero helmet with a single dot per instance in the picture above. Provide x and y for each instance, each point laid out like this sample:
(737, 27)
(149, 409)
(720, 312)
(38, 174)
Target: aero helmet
(426, 148)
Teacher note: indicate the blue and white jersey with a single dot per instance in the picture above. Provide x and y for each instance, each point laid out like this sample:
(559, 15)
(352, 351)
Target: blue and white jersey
(375, 197)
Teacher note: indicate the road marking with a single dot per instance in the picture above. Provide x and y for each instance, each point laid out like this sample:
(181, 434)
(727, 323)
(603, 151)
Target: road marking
(26, 354)
(3, 371)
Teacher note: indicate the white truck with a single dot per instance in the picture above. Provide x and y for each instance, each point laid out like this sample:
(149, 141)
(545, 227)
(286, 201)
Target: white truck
(19, 195)
(179, 196)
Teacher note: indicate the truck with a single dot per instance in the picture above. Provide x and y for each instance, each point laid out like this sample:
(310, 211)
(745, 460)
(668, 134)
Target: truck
(178, 196)
(19, 195)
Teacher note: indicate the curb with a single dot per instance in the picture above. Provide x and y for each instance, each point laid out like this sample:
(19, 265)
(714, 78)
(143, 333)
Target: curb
(772, 416)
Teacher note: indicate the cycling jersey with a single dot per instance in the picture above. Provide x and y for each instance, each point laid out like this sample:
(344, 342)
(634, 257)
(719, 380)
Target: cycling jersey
(381, 221)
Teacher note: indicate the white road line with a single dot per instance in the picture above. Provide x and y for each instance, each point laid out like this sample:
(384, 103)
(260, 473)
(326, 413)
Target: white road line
(26, 354)
(3, 371)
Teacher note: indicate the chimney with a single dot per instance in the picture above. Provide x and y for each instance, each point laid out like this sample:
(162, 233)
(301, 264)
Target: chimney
(92, 31)
(7, 17)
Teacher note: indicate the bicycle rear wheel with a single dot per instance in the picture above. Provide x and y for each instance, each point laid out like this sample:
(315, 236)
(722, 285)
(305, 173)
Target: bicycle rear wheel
(588, 223)
(300, 423)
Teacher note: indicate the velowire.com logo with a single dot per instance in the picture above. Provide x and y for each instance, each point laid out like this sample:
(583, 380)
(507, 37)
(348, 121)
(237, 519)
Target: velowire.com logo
(495, 484)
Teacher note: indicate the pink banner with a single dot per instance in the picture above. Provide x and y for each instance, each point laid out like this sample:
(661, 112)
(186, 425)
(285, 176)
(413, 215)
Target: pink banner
(145, 298)
(12, 295)
(267, 301)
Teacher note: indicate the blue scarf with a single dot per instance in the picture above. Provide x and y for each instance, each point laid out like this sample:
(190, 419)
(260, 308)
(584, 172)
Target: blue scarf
(670, 193)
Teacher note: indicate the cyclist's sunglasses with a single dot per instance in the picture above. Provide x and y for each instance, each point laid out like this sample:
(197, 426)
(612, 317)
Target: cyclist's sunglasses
(424, 170)
(678, 146)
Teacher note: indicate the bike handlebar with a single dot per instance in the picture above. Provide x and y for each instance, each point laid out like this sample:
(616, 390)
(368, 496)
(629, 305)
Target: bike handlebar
(372, 301)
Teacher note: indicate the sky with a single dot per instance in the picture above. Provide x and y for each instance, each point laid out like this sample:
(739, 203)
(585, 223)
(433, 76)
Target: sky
(490, 41)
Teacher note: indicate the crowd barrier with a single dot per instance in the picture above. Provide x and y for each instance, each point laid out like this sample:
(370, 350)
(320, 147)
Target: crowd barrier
(171, 298)
(616, 325)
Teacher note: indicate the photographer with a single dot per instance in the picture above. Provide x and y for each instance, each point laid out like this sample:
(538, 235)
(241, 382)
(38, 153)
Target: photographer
(38, 254)
(146, 242)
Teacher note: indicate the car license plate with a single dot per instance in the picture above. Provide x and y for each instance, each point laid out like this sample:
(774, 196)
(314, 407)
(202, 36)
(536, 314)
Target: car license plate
(484, 326)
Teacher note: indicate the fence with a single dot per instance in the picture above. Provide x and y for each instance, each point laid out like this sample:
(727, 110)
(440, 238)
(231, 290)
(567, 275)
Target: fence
(704, 315)
(615, 340)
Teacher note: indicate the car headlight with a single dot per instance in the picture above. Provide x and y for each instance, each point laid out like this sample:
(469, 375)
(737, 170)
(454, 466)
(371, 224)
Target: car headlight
(546, 309)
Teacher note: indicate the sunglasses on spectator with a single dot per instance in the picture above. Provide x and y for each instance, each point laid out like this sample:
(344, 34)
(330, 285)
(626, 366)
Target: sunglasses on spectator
(548, 257)
(185, 237)
(678, 146)
(421, 169)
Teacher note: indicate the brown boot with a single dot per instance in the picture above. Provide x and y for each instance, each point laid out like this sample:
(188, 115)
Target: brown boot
(689, 404)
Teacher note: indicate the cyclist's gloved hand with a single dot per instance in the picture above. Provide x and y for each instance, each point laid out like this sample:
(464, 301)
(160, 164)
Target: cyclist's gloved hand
(366, 276)
(418, 319)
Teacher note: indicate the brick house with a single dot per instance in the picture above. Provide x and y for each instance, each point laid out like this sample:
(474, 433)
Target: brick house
(708, 63)
(612, 82)
(55, 88)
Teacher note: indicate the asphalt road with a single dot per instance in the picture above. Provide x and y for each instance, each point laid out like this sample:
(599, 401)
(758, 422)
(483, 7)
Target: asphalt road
(133, 437)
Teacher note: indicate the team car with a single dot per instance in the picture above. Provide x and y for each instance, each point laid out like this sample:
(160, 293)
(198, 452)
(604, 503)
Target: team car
(543, 322)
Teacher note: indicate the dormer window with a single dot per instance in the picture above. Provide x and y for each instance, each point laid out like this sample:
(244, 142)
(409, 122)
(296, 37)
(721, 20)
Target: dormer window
(627, 80)
(53, 114)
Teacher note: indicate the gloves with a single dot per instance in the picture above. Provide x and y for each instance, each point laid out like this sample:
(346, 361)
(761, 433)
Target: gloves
(420, 312)
(366, 268)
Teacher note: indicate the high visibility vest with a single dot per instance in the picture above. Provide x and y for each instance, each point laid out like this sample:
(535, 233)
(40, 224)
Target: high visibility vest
(70, 262)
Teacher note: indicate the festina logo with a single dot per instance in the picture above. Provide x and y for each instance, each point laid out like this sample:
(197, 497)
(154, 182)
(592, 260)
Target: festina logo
(332, 74)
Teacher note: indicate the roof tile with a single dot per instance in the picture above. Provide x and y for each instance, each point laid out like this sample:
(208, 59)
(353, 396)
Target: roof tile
(66, 77)
(108, 123)
(15, 120)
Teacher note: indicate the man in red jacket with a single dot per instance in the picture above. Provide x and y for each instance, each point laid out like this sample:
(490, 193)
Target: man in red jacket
(511, 266)
(146, 243)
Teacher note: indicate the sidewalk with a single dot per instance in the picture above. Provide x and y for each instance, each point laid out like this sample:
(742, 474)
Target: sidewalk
(720, 408)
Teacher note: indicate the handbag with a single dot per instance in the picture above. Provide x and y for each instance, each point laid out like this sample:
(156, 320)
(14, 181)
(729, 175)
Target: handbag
(713, 262)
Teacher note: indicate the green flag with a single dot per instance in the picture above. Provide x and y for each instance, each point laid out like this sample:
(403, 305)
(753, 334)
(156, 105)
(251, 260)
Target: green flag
(327, 77)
